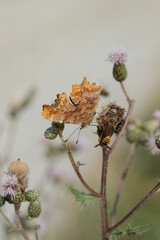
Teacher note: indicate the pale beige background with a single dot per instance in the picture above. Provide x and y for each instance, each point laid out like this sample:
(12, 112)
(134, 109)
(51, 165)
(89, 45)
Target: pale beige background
(53, 44)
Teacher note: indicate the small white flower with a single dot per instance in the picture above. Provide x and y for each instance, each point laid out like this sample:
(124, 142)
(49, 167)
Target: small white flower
(118, 55)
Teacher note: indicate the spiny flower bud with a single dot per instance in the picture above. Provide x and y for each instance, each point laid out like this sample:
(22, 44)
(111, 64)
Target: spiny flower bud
(34, 209)
(2, 201)
(20, 170)
(58, 126)
(51, 133)
(119, 72)
(152, 125)
(151, 145)
(31, 195)
(18, 198)
(119, 56)
(157, 140)
(136, 135)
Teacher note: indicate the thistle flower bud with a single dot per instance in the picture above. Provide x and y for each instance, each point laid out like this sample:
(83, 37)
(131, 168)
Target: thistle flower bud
(119, 56)
(34, 209)
(51, 133)
(16, 199)
(136, 135)
(151, 145)
(31, 195)
(2, 201)
(157, 140)
(152, 125)
(131, 134)
(119, 72)
(58, 126)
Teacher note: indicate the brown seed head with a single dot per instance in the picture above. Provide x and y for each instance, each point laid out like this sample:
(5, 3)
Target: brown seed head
(20, 169)
(108, 119)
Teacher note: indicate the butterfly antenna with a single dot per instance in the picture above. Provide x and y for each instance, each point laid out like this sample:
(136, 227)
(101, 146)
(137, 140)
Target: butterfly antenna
(78, 135)
(72, 134)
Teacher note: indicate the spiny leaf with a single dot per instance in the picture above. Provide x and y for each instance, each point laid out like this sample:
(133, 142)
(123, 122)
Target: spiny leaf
(130, 231)
(82, 197)
(138, 230)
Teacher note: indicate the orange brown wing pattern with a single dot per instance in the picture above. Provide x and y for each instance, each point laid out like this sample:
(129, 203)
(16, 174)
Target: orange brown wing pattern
(85, 100)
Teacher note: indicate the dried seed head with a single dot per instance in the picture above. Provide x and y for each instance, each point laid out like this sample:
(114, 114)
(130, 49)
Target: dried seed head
(20, 170)
(108, 120)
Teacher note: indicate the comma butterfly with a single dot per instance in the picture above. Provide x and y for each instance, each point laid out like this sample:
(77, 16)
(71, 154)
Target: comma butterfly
(81, 107)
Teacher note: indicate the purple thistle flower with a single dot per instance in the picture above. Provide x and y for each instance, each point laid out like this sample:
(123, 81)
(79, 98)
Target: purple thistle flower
(151, 145)
(118, 55)
(156, 115)
(9, 185)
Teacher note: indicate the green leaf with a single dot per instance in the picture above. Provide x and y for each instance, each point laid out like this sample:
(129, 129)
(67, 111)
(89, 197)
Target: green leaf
(80, 164)
(138, 230)
(82, 197)
(12, 229)
(130, 231)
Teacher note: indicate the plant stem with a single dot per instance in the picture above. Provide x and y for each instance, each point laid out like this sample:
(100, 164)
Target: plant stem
(123, 178)
(103, 202)
(36, 230)
(125, 92)
(148, 196)
(7, 219)
(76, 168)
(130, 108)
(20, 227)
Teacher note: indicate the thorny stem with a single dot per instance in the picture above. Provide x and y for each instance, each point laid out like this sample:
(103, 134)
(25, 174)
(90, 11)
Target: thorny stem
(123, 178)
(149, 195)
(76, 168)
(20, 227)
(103, 202)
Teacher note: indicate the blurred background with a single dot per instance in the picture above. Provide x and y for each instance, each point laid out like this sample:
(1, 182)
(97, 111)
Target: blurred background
(45, 47)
